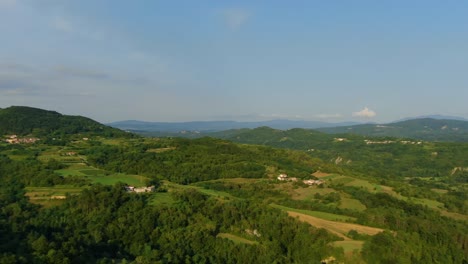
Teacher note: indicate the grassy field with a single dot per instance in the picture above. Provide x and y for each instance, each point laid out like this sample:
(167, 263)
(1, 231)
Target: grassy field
(306, 193)
(214, 192)
(338, 228)
(114, 141)
(161, 198)
(134, 180)
(349, 245)
(372, 187)
(101, 176)
(236, 239)
(322, 215)
(50, 196)
(429, 203)
(17, 157)
(174, 186)
(353, 204)
(160, 150)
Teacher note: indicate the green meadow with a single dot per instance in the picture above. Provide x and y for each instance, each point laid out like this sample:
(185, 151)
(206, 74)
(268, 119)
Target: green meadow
(318, 214)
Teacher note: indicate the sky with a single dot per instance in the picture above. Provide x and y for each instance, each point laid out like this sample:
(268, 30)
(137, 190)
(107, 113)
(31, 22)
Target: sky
(111, 60)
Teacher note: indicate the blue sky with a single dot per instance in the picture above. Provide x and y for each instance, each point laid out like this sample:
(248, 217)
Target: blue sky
(236, 60)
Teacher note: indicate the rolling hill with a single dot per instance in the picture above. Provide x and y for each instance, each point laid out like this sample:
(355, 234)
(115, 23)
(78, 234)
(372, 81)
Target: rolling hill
(422, 128)
(22, 120)
(378, 157)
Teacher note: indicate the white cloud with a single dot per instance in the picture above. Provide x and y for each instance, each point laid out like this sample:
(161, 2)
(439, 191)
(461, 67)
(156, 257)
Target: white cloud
(62, 24)
(236, 17)
(366, 112)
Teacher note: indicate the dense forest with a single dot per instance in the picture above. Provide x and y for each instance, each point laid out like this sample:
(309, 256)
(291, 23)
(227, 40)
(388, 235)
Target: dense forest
(217, 201)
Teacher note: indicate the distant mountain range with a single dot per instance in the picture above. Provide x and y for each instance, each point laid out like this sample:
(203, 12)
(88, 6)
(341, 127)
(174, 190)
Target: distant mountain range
(213, 126)
(24, 120)
(434, 117)
(433, 128)
(422, 128)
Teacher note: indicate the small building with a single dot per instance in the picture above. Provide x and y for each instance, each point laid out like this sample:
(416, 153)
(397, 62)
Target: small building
(140, 189)
(312, 182)
(282, 177)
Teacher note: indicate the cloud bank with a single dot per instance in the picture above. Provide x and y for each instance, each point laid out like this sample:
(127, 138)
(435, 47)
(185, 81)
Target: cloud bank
(366, 112)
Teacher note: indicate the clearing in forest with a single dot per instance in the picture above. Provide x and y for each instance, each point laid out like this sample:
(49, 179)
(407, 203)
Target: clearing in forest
(338, 228)
(236, 239)
(349, 245)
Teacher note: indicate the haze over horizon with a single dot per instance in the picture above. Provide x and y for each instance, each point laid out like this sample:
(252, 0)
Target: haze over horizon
(235, 60)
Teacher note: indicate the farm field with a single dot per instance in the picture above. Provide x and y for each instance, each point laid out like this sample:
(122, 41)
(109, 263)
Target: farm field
(50, 196)
(339, 228)
(100, 176)
(174, 186)
(133, 180)
(321, 215)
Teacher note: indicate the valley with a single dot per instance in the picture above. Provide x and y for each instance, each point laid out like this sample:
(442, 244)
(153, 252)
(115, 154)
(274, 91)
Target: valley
(228, 193)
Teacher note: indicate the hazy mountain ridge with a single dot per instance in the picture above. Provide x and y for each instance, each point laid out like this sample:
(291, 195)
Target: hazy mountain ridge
(424, 128)
(433, 129)
(214, 126)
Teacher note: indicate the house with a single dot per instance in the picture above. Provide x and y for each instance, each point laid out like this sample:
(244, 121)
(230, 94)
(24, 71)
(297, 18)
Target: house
(129, 188)
(144, 189)
(282, 177)
(140, 189)
(312, 182)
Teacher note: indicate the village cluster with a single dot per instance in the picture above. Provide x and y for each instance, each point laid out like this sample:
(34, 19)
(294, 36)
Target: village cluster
(284, 177)
(14, 139)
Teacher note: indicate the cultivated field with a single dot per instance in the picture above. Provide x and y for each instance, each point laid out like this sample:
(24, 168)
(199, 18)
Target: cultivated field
(338, 228)
(318, 214)
(49, 196)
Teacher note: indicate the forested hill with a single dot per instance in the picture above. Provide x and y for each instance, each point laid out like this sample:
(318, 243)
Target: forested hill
(22, 120)
(297, 138)
(371, 156)
(422, 128)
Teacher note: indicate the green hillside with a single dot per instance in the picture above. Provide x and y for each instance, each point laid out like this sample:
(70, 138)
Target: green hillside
(423, 128)
(22, 120)
(383, 157)
(218, 201)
